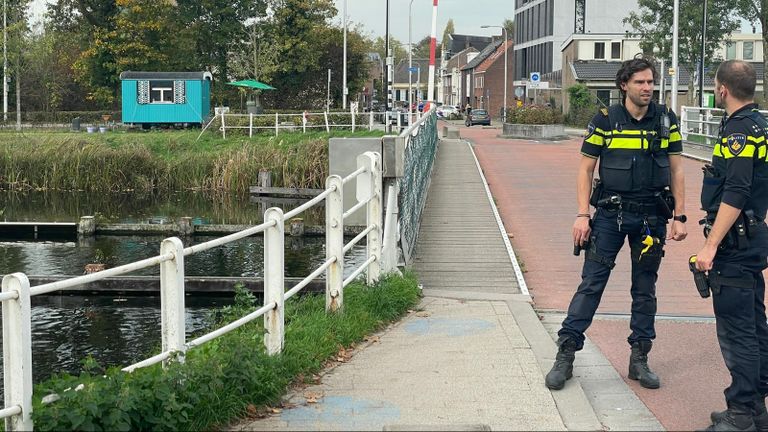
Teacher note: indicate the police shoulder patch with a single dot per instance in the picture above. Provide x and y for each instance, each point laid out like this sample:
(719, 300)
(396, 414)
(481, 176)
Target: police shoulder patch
(736, 143)
(590, 130)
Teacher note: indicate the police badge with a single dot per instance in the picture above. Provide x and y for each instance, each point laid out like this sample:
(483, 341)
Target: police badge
(736, 143)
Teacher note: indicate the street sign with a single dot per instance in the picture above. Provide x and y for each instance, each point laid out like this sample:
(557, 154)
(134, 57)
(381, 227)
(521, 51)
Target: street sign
(413, 69)
(534, 80)
(519, 91)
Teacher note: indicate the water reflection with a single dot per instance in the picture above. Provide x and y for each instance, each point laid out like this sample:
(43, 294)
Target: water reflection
(146, 208)
(243, 258)
(114, 331)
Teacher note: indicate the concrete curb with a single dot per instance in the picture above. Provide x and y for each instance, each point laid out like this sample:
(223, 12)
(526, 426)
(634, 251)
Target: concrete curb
(572, 403)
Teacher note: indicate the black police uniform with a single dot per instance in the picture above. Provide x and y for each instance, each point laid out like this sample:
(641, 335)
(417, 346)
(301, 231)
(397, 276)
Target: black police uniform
(634, 164)
(738, 177)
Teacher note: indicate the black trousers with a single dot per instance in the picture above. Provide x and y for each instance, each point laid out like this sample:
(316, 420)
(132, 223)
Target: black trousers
(607, 240)
(742, 331)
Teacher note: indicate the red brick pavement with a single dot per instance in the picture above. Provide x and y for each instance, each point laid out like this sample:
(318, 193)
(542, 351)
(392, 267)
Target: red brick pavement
(533, 184)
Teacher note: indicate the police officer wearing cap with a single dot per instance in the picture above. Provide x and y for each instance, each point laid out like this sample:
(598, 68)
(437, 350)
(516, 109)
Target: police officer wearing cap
(641, 187)
(735, 197)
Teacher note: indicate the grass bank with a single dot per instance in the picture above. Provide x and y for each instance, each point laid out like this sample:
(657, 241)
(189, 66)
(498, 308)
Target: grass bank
(161, 161)
(228, 377)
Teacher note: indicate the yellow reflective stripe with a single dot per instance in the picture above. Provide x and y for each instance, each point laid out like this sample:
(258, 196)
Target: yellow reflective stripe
(626, 143)
(675, 136)
(761, 152)
(756, 140)
(673, 127)
(748, 152)
(664, 143)
(595, 140)
(600, 131)
(718, 151)
(631, 132)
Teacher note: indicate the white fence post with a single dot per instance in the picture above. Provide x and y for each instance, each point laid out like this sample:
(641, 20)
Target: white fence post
(17, 352)
(250, 126)
(172, 298)
(370, 121)
(352, 114)
(274, 288)
(369, 188)
(223, 126)
(327, 126)
(277, 124)
(334, 244)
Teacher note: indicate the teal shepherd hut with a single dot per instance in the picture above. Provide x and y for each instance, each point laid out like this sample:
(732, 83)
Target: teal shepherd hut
(166, 98)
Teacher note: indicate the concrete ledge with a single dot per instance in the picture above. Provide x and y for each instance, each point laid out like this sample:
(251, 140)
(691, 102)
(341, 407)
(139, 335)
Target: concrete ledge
(451, 132)
(551, 132)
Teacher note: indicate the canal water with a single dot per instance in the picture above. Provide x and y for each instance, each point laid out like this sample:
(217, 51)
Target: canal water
(118, 331)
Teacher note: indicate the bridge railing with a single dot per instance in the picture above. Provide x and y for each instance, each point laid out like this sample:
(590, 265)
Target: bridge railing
(16, 291)
(700, 126)
(420, 148)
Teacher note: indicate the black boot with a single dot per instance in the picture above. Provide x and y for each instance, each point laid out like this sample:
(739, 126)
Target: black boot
(638, 365)
(562, 370)
(735, 418)
(759, 415)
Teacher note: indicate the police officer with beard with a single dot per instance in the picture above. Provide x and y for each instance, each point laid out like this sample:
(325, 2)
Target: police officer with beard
(639, 146)
(735, 197)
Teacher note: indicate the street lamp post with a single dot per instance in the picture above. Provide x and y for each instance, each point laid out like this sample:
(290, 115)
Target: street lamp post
(504, 32)
(675, 53)
(703, 46)
(657, 52)
(410, 66)
(344, 73)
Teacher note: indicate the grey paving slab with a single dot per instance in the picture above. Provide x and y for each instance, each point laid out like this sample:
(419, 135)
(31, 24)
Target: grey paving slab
(456, 362)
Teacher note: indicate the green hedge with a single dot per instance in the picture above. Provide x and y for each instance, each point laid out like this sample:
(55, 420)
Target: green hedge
(223, 379)
(534, 114)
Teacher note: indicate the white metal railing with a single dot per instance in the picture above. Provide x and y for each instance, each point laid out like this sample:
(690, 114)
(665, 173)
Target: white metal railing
(16, 290)
(292, 122)
(701, 125)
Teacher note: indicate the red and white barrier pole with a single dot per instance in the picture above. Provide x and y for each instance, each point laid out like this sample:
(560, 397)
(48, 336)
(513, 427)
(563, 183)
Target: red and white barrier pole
(432, 46)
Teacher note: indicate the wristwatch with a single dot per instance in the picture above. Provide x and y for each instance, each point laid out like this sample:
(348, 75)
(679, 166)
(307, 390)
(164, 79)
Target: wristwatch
(681, 218)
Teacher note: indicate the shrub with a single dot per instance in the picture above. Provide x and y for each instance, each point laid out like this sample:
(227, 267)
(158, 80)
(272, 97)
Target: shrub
(534, 114)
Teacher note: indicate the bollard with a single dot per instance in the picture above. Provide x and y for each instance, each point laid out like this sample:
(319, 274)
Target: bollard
(297, 227)
(265, 178)
(185, 226)
(87, 226)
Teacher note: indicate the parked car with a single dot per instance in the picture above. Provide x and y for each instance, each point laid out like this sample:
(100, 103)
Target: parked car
(478, 116)
(447, 111)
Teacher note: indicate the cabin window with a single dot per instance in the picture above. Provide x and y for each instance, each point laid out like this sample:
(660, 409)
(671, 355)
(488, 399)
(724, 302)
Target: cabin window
(161, 92)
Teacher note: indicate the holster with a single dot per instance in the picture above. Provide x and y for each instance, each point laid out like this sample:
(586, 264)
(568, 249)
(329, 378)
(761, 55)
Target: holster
(597, 192)
(665, 203)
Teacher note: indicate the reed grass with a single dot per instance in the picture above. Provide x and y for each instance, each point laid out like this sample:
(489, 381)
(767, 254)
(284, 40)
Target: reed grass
(161, 161)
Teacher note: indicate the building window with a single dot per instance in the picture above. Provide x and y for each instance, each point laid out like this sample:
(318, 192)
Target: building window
(604, 96)
(730, 51)
(615, 50)
(748, 50)
(479, 82)
(581, 8)
(599, 50)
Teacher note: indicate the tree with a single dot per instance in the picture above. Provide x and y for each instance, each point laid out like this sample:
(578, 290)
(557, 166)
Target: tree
(509, 25)
(756, 11)
(449, 30)
(653, 23)
(397, 48)
(421, 48)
